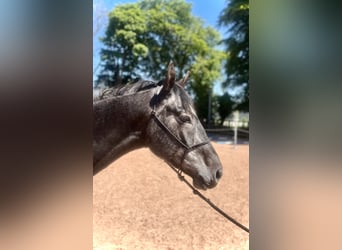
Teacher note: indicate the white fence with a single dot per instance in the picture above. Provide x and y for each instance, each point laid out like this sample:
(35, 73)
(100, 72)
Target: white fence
(239, 127)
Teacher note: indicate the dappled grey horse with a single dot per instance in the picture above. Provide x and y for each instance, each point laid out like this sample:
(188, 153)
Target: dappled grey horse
(160, 116)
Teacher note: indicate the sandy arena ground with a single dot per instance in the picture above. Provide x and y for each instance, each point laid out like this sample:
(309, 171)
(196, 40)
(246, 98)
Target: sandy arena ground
(139, 203)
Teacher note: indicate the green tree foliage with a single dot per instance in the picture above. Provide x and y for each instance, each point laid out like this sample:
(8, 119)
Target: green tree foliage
(236, 18)
(142, 37)
(124, 45)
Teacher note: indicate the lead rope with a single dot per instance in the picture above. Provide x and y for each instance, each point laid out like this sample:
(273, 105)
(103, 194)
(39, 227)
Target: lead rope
(196, 192)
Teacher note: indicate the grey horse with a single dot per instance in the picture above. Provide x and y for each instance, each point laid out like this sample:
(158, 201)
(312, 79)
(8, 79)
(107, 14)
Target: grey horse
(160, 116)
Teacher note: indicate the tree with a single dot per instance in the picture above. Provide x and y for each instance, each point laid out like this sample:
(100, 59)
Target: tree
(236, 18)
(142, 37)
(225, 106)
(123, 45)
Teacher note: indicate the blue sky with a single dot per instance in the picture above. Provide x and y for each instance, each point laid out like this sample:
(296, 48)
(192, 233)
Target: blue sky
(207, 10)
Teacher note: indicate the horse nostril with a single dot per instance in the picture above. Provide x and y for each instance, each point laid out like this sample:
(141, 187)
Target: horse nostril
(218, 174)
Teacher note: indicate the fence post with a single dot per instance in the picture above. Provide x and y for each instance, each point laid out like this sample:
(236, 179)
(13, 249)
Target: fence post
(236, 124)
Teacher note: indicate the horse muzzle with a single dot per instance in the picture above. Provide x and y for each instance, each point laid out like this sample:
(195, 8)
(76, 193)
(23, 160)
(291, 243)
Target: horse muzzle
(207, 182)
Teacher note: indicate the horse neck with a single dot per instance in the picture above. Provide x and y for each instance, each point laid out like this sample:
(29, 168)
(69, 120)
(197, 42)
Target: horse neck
(119, 127)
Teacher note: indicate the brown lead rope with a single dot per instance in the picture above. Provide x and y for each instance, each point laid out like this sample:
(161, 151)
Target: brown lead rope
(195, 191)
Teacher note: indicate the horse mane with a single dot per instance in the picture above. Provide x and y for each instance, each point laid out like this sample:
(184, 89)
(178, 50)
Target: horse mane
(126, 89)
(139, 86)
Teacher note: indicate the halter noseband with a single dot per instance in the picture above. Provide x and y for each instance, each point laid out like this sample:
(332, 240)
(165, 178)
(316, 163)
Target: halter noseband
(187, 148)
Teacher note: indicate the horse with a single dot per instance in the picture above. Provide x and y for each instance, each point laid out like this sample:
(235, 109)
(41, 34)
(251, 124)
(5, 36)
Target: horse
(160, 116)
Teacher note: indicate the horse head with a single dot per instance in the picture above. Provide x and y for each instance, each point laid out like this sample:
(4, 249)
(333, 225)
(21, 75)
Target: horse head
(177, 136)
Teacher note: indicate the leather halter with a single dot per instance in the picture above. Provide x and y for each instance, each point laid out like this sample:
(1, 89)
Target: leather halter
(186, 147)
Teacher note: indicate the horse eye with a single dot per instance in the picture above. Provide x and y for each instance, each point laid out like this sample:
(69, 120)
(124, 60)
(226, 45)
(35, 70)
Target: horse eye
(185, 118)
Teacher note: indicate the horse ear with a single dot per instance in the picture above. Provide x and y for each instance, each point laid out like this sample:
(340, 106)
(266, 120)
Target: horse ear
(170, 77)
(183, 81)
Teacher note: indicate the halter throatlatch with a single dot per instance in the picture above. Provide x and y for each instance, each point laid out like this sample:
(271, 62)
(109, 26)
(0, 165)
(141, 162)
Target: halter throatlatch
(186, 147)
